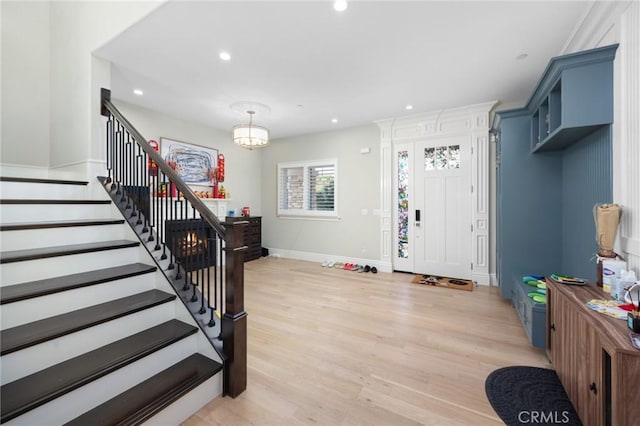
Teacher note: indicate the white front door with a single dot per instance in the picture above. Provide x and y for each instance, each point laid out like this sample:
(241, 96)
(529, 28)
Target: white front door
(441, 207)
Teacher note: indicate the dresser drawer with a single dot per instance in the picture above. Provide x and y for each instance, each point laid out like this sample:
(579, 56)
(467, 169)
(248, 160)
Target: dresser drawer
(252, 235)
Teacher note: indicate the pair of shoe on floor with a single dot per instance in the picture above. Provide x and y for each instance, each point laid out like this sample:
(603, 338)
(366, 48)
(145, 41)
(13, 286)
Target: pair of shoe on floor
(350, 267)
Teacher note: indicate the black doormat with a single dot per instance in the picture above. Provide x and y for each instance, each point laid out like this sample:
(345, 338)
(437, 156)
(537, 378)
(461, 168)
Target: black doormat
(529, 395)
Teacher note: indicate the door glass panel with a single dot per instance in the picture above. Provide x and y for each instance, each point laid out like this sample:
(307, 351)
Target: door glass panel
(441, 158)
(403, 204)
(454, 156)
(429, 159)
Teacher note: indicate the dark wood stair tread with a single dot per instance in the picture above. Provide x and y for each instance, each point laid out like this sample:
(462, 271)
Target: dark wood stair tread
(34, 390)
(149, 397)
(51, 201)
(18, 226)
(33, 333)
(45, 252)
(43, 180)
(29, 290)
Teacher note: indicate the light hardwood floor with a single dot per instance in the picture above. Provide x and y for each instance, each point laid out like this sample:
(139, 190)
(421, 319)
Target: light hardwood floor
(334, 347)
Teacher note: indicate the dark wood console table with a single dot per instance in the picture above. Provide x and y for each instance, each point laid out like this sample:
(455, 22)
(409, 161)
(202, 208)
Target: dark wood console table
(593, 356)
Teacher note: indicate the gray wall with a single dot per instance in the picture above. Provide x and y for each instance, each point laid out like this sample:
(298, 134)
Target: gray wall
(242, 167)
(353, 235)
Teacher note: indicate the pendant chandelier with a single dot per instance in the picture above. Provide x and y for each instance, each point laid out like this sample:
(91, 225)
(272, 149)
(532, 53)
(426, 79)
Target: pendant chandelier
(250, 136)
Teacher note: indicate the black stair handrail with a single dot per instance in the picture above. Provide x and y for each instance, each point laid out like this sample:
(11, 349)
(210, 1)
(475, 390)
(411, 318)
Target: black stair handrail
(181, 186)
(133, 184)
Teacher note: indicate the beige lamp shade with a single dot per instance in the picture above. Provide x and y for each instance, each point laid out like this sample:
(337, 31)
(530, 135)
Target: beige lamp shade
(250, 136)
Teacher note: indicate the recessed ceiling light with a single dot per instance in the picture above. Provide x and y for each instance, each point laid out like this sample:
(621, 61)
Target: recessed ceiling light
(522, 56)
(340, 5)
(409, 107)
(225, 56)
(138, 92)
(334, 120)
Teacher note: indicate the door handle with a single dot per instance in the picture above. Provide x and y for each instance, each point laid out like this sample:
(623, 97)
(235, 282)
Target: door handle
(417, 217)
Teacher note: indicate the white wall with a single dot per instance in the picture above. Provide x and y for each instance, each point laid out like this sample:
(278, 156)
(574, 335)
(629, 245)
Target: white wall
(77, 29)
(25, 59)
(354, 235)
(242, 167)
(50, 78)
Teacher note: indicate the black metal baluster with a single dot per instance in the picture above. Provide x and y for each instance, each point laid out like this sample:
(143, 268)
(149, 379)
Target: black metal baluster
(183, 215)
(154, 189)
(160, 214)
(141, 193)
(128, 155)
(172, 209)
(116, 167)
(109, 157)
(185, 287)
(123, 174)
(112, 139)
(207, 281)
(167, 213)
(198, 261)
(178, 214)
(146, 178)
(220, 284)
(135, 188)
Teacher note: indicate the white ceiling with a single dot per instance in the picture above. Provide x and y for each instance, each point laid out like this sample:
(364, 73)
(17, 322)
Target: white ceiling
(310, 64)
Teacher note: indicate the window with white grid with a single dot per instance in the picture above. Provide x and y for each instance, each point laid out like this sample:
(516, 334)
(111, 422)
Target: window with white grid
(308, 188)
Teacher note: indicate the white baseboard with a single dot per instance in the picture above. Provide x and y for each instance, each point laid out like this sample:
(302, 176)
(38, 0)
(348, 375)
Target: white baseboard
(22, 170)
(321, 257)
(494, 280)
(79, 170)
(481, 279)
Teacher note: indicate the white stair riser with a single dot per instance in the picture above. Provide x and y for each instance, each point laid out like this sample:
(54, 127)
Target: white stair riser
(48, 191)
(20, 213)
(31, 270)
(36, 238)
(30, 360)
(79, 401)
(26, 311)
(189, 404)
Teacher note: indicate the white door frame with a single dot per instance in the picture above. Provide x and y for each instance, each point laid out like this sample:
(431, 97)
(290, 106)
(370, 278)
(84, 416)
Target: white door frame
(472, 120)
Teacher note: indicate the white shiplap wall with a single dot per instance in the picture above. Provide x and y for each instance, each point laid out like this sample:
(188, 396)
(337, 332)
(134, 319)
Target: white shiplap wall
(627, 134)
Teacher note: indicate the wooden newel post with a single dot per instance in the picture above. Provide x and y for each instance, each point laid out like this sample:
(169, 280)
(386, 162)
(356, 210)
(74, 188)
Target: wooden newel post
(234, 320)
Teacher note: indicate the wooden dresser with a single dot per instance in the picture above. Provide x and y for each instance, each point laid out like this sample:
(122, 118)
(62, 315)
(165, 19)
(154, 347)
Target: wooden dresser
(593, 356)
(252, 235)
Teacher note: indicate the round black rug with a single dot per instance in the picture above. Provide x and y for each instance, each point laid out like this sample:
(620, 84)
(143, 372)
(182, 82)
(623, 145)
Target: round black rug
(529, 396)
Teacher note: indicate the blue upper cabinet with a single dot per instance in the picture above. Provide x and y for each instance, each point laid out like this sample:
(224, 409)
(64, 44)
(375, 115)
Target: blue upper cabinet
(573, 98)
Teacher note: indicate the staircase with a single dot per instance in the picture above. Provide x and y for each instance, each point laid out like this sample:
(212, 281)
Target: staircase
(92, 332)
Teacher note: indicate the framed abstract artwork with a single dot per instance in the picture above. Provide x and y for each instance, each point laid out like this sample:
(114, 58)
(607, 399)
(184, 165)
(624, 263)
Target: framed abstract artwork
(194, 164)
